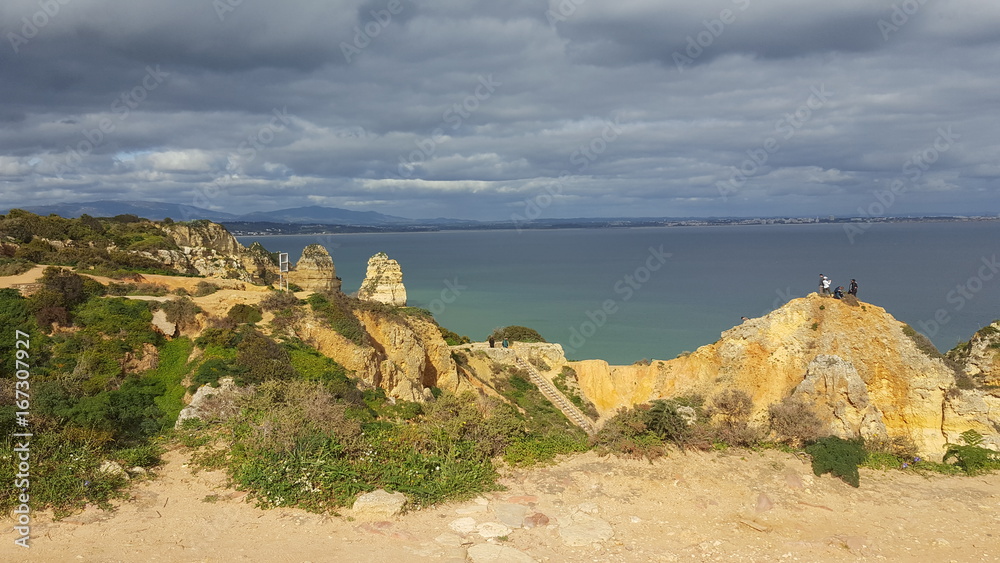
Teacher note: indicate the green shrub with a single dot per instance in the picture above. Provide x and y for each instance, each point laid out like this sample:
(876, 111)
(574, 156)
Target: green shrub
(14, 266)
(241, 313)
(516, 333)
(219, 337)
(64, 472)
(453, 338)
(182, 312)
(147, 455)
(261, 359)
(336, 311)
(534, 449)
(971, 457)
(839, 457)
(626, 434)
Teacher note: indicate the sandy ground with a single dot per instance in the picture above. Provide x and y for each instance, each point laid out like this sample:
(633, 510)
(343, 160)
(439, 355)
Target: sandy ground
(718, 506)
(216, 304)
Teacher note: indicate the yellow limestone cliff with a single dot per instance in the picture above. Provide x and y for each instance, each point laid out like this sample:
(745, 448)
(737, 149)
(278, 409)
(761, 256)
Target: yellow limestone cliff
(866, 373)
(405, 355)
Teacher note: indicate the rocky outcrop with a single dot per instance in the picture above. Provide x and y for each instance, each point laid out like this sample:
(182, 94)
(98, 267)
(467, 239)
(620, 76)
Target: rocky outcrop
(979, 358)
(840, 398)
(144, 360)
(383, 282)
(403, 355)
(162, 325)
(203, 234)
(973, 409)
(212, 403)
(315, 271)
(208, 249)
(863, 369)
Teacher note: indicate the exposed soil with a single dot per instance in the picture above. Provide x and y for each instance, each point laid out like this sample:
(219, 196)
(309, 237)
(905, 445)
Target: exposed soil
(719, 506)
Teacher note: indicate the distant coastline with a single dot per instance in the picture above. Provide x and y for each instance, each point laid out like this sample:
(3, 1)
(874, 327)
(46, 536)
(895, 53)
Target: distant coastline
(254, 228)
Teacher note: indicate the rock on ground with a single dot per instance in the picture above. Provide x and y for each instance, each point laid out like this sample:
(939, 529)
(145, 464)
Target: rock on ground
(378, 505)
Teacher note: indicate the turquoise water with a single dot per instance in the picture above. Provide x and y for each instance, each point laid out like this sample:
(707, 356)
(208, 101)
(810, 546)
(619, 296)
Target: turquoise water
(612, 294)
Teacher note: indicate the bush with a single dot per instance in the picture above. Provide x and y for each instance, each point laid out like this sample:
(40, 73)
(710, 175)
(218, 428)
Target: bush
(453, 338)
(14, 266)
(626, 434)
(971, 457)
(261, 359)
(839, 457)
(203, 288)
(279, 300)
(181, 312)
(794, 421)
(732, 409)
(517, 334)
(336, 311)
(220, 337)
(241, 313)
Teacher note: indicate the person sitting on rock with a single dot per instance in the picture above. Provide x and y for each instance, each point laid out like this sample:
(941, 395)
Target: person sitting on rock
(839, 292)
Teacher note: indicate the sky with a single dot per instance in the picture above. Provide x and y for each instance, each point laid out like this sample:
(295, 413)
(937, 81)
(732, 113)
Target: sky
(504, 110)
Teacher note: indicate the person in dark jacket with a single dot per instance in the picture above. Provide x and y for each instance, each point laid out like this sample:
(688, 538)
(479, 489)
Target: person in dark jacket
(853, 290)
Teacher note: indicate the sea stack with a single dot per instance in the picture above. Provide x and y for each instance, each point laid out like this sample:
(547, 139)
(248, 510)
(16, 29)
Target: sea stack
(383, 282)
(315, 271)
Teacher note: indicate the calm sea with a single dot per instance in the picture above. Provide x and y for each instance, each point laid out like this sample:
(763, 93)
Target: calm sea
(627, 294)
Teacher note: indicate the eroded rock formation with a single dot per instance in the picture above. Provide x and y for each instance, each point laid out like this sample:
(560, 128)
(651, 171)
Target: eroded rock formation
(315, 271)
(383, 282)
(979, 358)
(861, 368)
(403, 355)
(208, 249)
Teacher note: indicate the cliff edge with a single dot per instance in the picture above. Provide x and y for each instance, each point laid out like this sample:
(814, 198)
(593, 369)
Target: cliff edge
(865, 373)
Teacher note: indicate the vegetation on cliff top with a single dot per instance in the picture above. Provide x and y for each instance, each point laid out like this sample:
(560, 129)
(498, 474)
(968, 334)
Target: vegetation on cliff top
(109, 246)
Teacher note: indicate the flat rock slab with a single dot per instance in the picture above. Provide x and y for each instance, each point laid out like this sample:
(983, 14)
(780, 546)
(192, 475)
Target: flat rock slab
(492, 530)
(585, 530)
(489, 553)
(511, 514)
(378, 505)
(463, 525)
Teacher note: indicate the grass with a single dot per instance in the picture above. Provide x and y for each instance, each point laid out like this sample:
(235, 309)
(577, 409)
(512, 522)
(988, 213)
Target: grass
(171, 371)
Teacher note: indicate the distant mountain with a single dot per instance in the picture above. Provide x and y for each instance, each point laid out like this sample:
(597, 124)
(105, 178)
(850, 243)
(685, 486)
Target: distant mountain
(149, 209)
(323, 216)
(157, 211)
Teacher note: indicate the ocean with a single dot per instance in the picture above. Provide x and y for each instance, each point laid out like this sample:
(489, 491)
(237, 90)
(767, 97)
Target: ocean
(623, 295)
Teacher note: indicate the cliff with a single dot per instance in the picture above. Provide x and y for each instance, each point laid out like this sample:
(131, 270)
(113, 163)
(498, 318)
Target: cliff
(405, 355)
(314, 271)
(383, 282)
(864, 372)
(208, 249)
(979, 358)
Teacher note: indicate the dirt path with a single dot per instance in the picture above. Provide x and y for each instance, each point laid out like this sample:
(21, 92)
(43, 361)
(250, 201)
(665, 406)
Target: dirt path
(740, 506)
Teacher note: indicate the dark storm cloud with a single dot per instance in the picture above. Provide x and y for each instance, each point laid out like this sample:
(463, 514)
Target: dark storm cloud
(483, 109)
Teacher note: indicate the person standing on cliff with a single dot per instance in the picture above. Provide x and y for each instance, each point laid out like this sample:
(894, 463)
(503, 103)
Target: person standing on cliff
(493, 341)
(853, 289)
(824, 285)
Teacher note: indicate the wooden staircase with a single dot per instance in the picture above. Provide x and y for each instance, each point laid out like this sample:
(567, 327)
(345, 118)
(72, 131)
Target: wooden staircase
(557, 398)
